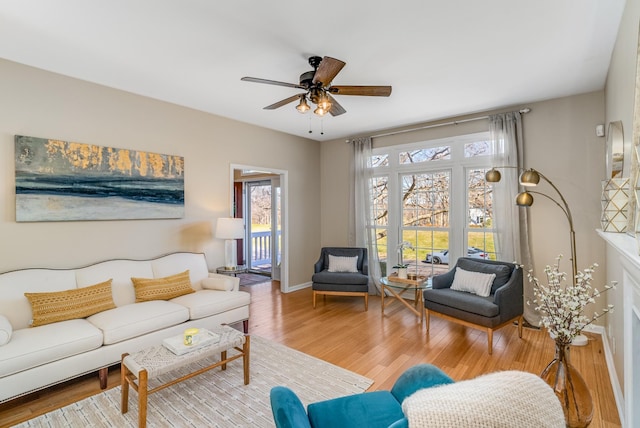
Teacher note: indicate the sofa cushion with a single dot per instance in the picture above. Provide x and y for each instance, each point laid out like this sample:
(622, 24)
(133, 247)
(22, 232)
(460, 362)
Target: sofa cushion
(344, 278)
(467, 302)
(121, 272)
(172, 264)
(205, 303)
(503, 272)
(164, 288)
(5, 330)
(134, 320)
(31, 347)
(371, 409)
(70, 304)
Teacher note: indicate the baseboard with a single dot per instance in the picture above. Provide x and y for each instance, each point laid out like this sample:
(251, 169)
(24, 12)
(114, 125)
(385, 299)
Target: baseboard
(299, 286)
(608, 356)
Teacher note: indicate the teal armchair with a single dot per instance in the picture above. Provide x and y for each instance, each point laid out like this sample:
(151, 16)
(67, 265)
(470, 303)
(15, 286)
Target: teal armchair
(377, 409)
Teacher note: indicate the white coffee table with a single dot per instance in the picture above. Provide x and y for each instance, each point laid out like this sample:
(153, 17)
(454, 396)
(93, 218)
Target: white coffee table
(138, 368)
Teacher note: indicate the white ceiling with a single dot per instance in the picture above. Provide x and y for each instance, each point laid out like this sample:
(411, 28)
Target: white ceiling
(442, 57)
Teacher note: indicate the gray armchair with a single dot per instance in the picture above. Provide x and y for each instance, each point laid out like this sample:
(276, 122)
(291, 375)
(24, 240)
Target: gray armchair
(503, 305)
(341, 283)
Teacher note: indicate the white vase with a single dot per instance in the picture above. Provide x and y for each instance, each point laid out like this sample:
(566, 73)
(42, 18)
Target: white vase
(402, 273)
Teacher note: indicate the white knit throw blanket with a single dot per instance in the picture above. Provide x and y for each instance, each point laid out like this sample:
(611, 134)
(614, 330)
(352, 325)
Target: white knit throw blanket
(498, 400)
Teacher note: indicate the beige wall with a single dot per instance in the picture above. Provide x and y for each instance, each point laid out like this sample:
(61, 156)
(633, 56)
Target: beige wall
(619, 105)
(560, 142)
(42, 104)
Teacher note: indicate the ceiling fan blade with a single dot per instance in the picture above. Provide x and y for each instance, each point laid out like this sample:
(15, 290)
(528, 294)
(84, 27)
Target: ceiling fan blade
(336, 109)
(327, 70)
(272, 82)
(370, 91)
(283, 102)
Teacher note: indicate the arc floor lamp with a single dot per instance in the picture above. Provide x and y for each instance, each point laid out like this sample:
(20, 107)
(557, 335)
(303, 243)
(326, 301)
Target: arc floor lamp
(530, 178)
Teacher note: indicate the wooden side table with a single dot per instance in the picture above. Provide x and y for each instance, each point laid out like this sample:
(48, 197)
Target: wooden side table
(397, 286)
(238, 269)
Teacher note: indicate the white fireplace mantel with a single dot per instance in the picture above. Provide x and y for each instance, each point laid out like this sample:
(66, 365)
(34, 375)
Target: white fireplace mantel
(623, 266)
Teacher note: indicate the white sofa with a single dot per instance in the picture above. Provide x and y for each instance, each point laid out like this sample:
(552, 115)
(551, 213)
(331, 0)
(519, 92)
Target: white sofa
(36, 357)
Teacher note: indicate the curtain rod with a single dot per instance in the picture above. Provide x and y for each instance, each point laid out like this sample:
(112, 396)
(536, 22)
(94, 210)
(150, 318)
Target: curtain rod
(436, 125)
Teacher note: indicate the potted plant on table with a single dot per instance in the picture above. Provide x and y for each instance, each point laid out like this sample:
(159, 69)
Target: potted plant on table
(401, 265)
(402, 270)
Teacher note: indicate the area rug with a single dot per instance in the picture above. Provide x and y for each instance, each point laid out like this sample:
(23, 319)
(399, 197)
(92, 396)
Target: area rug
(217, 398)
(248, 279)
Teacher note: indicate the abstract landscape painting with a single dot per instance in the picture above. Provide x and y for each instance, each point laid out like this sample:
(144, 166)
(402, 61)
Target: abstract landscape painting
(65, 181)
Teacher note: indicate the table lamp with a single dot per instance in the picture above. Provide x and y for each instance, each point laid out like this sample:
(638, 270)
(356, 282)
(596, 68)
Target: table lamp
(230, 229)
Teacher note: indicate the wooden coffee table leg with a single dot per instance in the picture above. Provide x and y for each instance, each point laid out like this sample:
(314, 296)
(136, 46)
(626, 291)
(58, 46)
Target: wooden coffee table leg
(142, 398)
(223, 357)
(246, 349)
(124, 386)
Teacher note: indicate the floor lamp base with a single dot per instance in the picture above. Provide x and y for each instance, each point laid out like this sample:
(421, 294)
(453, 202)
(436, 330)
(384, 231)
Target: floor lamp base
(580, 340)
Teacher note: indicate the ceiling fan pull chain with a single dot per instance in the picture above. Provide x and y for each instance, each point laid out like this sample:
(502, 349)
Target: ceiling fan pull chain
(310, 131)
(322, 126)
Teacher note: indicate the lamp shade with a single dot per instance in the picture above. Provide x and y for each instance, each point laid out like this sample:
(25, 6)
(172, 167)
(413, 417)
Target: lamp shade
(493, 176)
(529, 177)
(230, 228)
(524, 199)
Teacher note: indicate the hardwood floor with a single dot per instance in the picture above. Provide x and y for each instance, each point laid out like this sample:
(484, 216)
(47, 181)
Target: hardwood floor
(379, 347)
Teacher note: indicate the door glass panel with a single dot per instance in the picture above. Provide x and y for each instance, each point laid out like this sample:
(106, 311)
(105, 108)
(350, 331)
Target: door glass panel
(425, 221)
(259, 196)
(276, 235)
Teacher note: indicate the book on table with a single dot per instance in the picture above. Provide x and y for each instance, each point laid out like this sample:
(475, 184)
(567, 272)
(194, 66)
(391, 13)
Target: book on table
(201, 339)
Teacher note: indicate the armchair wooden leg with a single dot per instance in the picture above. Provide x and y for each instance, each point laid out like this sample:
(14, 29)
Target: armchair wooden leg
(426, 319)
(366, 302)
(520, 322)
(490, 340)
(314, 299)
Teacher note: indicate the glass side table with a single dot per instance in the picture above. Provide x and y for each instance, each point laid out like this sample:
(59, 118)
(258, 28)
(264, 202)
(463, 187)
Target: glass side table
(398, 286)
(234, 271)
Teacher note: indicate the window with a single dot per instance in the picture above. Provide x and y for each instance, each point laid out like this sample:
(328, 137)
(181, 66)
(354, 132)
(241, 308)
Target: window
(433, 195)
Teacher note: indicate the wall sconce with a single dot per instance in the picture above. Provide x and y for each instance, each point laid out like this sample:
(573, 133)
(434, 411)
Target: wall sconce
(230, 229)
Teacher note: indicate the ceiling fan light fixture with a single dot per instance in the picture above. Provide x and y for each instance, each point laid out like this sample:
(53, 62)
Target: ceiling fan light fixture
(324, 103)
(303, 107)
(320, 111)
(319, 90)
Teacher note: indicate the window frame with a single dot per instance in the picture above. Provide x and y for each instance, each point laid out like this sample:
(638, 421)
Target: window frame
(458, 166)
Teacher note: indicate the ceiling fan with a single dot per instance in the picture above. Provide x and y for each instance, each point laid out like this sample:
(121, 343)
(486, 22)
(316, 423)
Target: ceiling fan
(318, 90)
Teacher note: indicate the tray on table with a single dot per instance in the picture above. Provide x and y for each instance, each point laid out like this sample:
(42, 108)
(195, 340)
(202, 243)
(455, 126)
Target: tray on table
(419, 279)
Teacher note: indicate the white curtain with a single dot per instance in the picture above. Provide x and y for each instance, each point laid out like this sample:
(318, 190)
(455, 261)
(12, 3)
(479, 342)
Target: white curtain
(361, 229)
(511, 222)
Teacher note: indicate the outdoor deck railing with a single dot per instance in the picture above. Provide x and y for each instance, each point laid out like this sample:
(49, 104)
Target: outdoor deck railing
(261, 248)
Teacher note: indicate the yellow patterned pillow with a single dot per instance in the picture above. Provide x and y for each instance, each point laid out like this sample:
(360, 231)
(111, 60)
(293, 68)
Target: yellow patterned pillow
(82, 302)
(162, 288)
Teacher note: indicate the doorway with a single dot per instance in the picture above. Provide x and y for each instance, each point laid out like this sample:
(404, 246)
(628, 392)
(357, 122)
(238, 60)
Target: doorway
(264, 226)
(262, 203)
